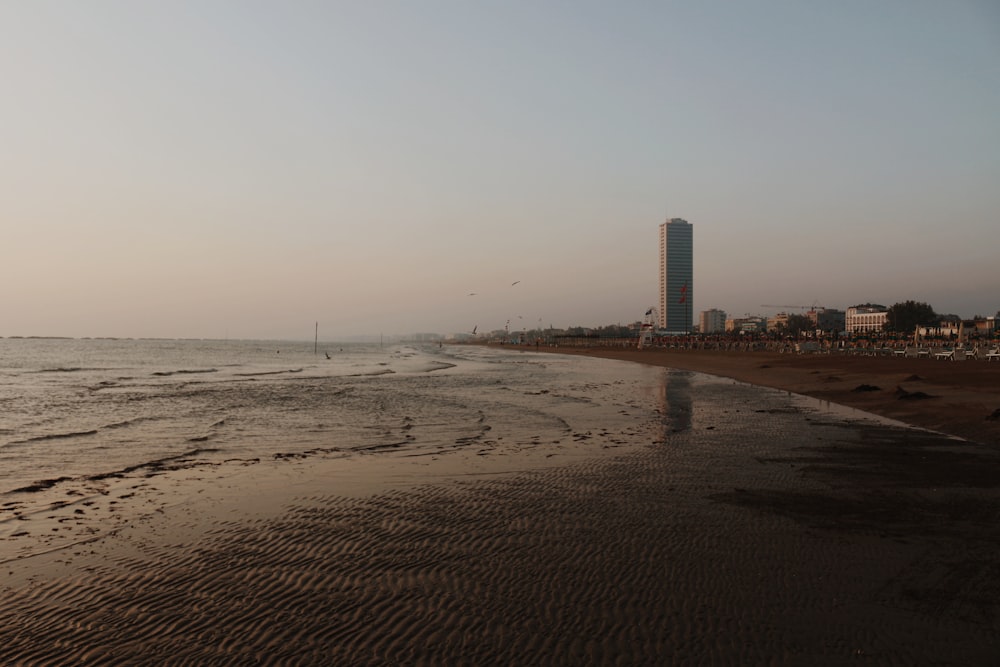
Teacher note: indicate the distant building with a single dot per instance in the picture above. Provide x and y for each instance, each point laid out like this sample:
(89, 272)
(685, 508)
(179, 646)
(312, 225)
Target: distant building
(866, 317)
(828, 319)
(712, 321)
(982, 326)
(676, 276)
(746, 325)
(779, 321)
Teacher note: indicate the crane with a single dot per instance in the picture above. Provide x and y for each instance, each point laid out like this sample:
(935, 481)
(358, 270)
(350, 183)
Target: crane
(771, 305)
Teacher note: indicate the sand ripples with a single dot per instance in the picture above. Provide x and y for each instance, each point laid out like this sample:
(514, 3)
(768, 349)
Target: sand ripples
(676, 553)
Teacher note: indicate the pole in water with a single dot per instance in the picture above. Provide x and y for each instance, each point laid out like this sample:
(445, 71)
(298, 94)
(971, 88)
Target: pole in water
(316, 340)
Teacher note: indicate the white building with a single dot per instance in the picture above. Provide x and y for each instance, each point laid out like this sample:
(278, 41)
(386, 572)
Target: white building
(866, 317)
(712, 321)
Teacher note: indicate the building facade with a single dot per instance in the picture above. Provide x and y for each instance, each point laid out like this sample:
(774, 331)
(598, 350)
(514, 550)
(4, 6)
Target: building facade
(866, 317)
(712, 321)
(746, 325)
(779, 321)
(676, 276)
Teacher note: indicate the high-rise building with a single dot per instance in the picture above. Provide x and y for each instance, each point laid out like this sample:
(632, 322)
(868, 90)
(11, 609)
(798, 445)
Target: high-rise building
(676, 276)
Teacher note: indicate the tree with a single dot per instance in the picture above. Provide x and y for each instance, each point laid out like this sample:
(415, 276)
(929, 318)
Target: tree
(796, 324)
(906, 316)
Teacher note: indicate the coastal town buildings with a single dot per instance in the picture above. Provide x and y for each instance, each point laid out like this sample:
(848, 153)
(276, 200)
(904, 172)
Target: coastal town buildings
(865, 317)
(983, 326)
(712, 321)
(751, 324)
(779, 321)
(828, 319)
(676, 276)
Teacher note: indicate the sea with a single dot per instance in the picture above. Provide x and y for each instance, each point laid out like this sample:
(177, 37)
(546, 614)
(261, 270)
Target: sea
(93, 431)
(76, 413)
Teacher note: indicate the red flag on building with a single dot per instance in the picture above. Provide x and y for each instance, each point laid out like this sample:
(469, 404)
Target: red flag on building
(684, 290)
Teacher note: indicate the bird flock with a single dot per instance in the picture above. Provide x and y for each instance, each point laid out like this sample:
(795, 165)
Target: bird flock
(476, 327)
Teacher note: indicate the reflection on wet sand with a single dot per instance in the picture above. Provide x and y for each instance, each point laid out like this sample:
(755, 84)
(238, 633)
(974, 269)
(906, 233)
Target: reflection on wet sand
(675, 401)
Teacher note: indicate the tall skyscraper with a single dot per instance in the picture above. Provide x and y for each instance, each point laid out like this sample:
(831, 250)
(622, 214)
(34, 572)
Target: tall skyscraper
(676, 276)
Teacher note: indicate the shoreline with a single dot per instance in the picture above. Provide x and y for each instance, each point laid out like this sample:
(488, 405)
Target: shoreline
(955, 398)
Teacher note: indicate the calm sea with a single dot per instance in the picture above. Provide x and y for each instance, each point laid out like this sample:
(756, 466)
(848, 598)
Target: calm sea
(73, 410)
(93, 432)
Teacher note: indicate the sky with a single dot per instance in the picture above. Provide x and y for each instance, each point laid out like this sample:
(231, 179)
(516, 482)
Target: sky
(247, 169)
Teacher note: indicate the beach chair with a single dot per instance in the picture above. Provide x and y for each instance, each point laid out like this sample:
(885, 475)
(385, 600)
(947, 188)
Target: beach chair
(944, 354)
(993, 355)
(973, 353)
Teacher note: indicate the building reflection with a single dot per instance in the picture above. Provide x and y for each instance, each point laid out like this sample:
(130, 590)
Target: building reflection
(675, 401)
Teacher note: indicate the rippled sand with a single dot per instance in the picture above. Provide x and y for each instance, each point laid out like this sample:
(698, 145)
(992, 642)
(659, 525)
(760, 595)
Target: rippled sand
(759, 531)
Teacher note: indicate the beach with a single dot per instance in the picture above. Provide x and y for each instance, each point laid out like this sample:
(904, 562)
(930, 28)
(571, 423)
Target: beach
(749, 526)
(959, 398)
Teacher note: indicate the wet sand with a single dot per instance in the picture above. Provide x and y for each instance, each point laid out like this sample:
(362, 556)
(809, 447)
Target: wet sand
(961, 398)
(725, 542)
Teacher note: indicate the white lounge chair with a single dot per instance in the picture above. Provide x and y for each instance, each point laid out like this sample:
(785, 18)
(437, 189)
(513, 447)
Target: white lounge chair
(993, 355)
(945, 354)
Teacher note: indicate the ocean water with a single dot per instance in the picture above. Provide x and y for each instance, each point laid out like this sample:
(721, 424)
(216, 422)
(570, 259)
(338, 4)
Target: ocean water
(83, 411)
(99, 435)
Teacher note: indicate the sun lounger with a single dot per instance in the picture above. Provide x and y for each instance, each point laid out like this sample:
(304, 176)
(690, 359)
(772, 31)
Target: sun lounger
(993, 355)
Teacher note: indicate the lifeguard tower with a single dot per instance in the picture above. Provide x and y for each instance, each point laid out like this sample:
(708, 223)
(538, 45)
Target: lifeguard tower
(648, 327)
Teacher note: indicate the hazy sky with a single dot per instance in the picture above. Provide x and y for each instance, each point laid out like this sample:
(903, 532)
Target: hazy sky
(247, 168)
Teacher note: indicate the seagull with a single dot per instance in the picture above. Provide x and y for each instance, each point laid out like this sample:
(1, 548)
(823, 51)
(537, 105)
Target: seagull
(514, 283)
(472, 294)
(474, 329)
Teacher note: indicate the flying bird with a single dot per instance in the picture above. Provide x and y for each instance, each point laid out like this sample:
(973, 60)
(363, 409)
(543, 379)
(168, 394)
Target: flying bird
(472, 294)
(474, 329)
(514, 283)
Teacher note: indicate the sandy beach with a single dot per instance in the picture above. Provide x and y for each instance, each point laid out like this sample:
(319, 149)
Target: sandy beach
(958, 398)
(722, 542)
